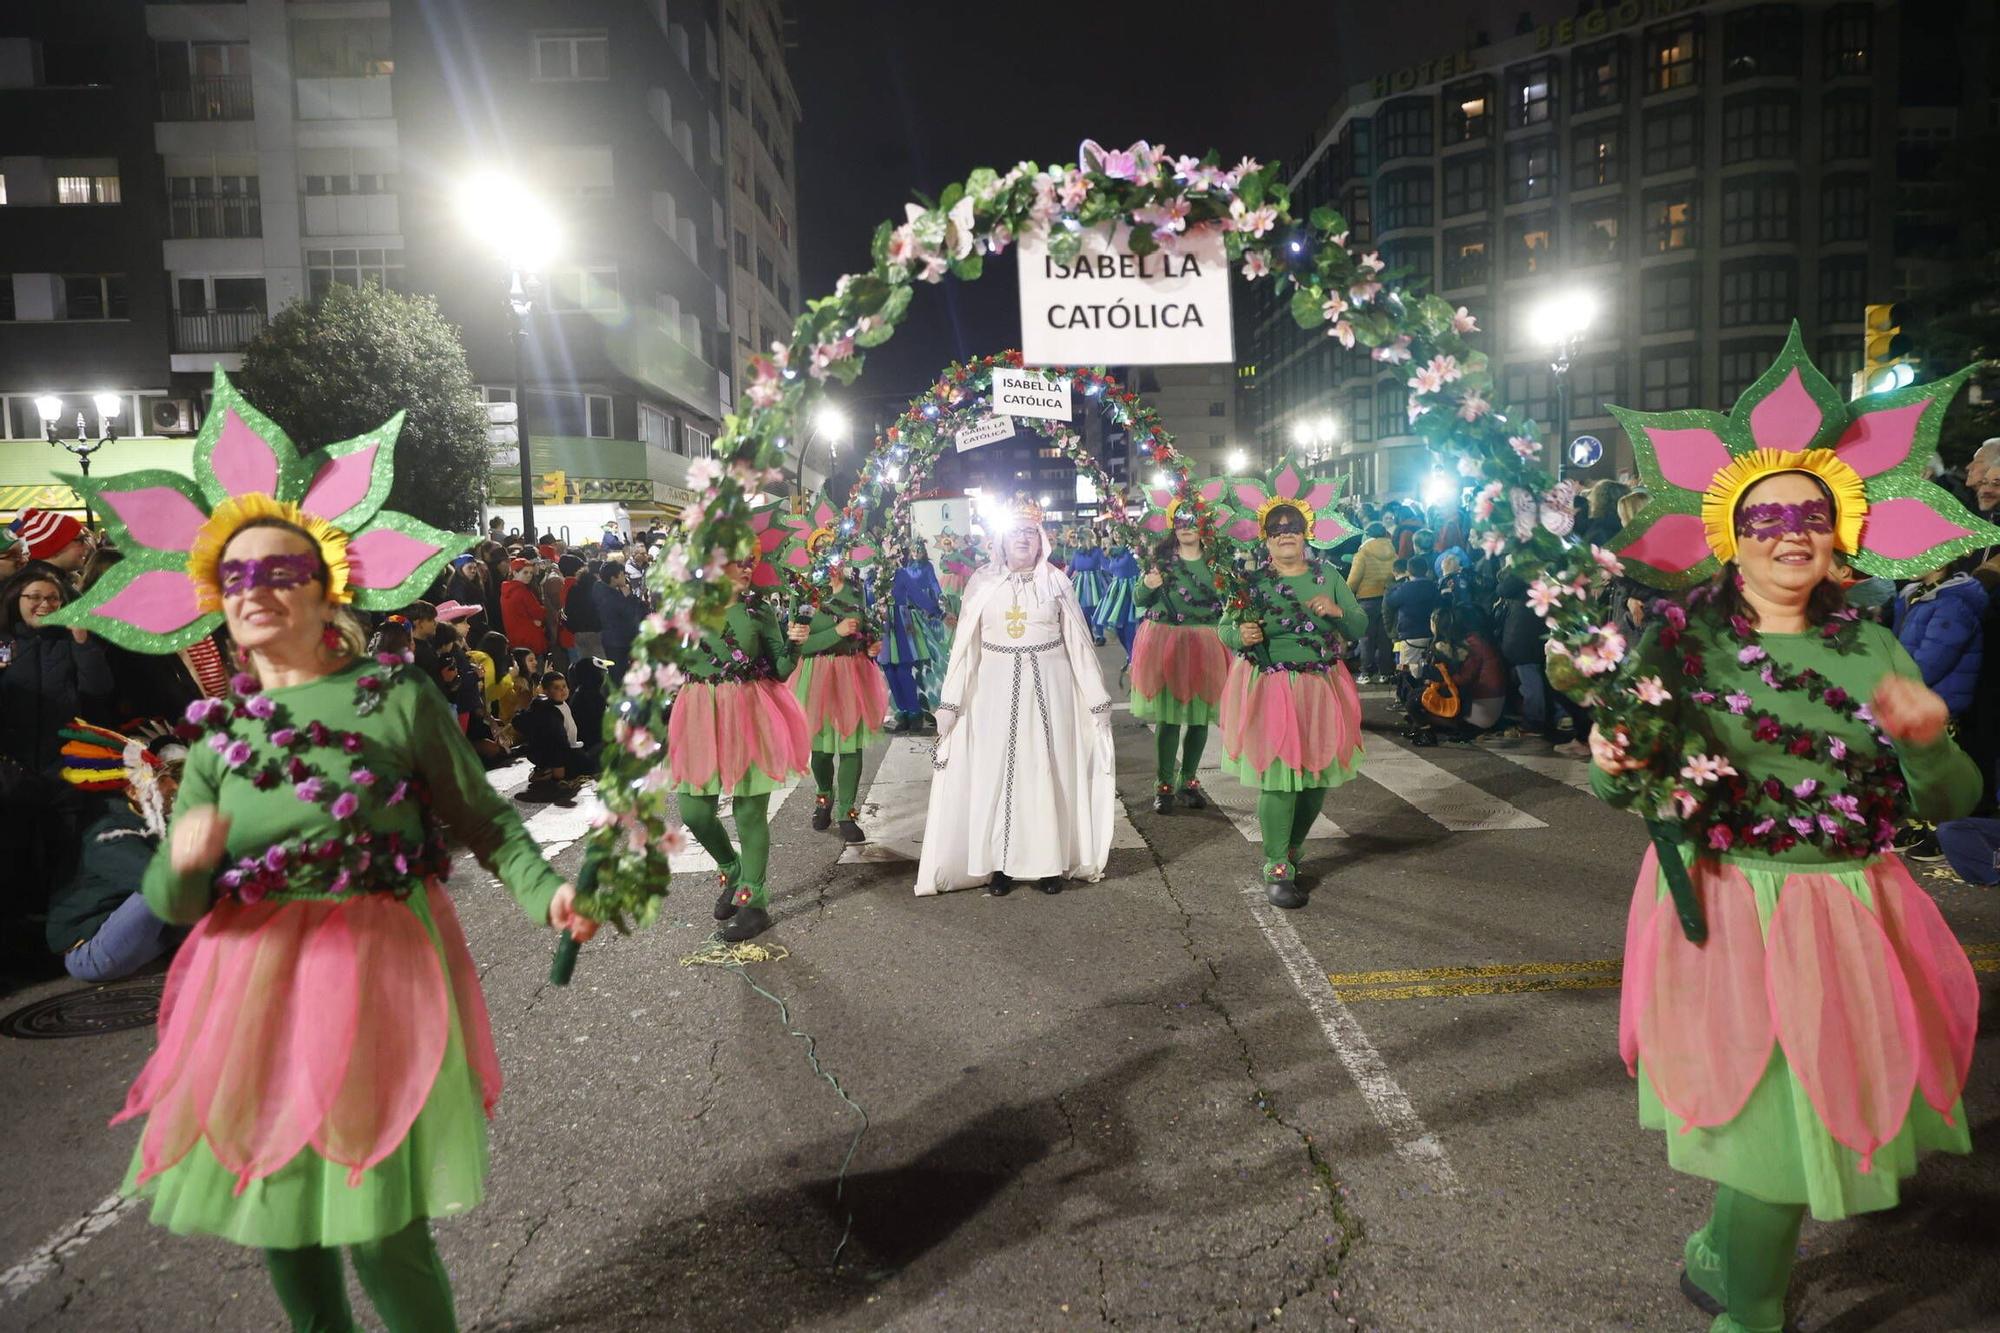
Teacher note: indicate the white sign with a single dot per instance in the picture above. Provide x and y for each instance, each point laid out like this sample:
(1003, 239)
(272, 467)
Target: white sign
(1109, 306)
(932, 519)
(1025, 393)
(986, 431)
(1585, 450)
(499, 436)
(506, 456)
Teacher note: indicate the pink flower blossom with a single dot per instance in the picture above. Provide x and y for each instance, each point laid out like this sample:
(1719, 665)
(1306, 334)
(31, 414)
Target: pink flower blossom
(344, 805)
(958, 228)
(1527, 448)
(1686, 802)
(309, 790)
(1543, 596)
(997, 240)
(1489, 496)
(1447, 368)
(1739, 702)
(237, 755)
(1256, 221)
(1395, 353)
(362, 777)
(1493, 541)
(260, 706)
(1607, 561)
(1256, 264)
(934, 269)
(1651, 691)
(1720, 839)
(1248, 166)
(1462, 321)
(1363, 292)
(673, 840)
(1342, 330)
(1071, 193)
(1836, 747)
(1473, 406)
(1750, 653)
(1372, 261)
(1333, 306)
(1170, 216)
(825, 354)
(1426, 380)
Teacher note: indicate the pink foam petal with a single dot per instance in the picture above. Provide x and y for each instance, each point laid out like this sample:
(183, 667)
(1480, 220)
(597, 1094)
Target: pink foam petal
(1676, 542)
(1154, 522)
(1321, 495)
(1788, 418)
(384, 557)
(1160, 499)
(159, 601)
(242, 460)
(474, 1026)
(824, 515)
(1243, 530)
(1328, 529)
(1638, 924)
(764, 576)
(156, 516)
(862, 553)
(1689, 458)
(341, 483)
(1250, 495)
(1943, 989)
(1898, 529)
(1211, 490)
(798, 558)
(1874, 442)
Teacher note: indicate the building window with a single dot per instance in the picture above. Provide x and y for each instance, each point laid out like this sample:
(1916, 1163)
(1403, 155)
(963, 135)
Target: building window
(1468, 111)
(94, 296)
(6, 296)
(1531, 169)
(1464, 257)
(593, 288)
(204, 80)
(1844, 126)
(200, 207)
(358, 48)
(1406, 200)
(1843, 209)
(1406, 128)
(1392, 410)
(1843, 286)
(571, 57)
(767, 272)
(1593, 232)
(1360, 418)
(1669, 219)
(1666, 378)
(1594, 384)
(763, 196)
(1666, 299)
(1528, 392)
(1761, 41)
(1759, 125)
(1741, 363)
(1530, 243)
(555, 412)
(743, 252)
(86, 180)
(1848, 31)
(1759, 291)
(1600, 75)
(1598, 156)
(1839, 359)
(382, 267)
(698, 442)
(1671, 139)
(1757, 208)
(1414, 257)
(1531, 94)
(656, 429)
(1673, 56)
(1360, 212)
(1465, 178)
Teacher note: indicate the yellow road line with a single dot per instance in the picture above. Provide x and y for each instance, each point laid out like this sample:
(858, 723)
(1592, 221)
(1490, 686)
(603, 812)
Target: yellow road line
(1511, 986)
(1459, 973)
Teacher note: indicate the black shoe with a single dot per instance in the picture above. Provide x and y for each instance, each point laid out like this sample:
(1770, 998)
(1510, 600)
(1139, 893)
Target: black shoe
(1925, 850)
(822, 813)
(725, 903)
(1163, 800)
(850, 830)
(747, 923)
(897, 725)
(1192, 795)
(1000, 886)
(546, 793)
(1052, 885)
(1284, 891)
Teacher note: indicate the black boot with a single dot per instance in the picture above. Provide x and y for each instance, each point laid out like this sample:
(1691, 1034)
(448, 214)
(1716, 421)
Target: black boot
(748, 923)
(1192, 795)
(850, 830)
(1001, 885)
(1051, 885)
(822, 813)
(725, 903)
(1163, 799)
(1281, 887)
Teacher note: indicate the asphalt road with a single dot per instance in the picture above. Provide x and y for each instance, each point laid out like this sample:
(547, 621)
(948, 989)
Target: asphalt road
(1152, 1102)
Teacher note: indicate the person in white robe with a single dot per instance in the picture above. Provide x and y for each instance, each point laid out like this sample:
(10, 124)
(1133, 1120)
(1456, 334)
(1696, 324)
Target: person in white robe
(1023, 776)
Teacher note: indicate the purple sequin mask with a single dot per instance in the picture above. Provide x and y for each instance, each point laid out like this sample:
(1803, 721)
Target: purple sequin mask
(1768, 522)
(276, 572)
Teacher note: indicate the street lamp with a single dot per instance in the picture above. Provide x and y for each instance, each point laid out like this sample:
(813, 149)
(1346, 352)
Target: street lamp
(1314, 439)
(1559, 323)
(828, 421)
(110, 407)
(516, 226)
(1237, 460)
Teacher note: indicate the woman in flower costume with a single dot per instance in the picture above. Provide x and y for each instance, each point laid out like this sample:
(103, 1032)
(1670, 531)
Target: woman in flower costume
(1797, 1012)
(324, 1064)
(1179, 665)
(1291, 717)
(1118, 609)
(953, 571)
(839, 687)
(1086, 576)
(736, 731)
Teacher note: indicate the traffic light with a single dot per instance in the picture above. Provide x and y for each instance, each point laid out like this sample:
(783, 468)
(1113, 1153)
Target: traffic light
(1888, 359)
(555, 488)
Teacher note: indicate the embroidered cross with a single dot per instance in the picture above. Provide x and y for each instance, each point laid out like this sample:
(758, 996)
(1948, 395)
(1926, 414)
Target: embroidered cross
(1017, 622)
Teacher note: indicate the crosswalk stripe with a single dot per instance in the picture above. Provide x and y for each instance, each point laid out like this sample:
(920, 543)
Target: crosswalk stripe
(1446, 798)
(1570, 772)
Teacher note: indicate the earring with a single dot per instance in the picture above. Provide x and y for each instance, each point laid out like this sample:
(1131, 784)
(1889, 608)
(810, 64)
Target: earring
(329, 638)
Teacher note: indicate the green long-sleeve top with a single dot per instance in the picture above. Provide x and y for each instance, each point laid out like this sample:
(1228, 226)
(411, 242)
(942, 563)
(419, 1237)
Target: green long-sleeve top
(750, 645)
(836, 605)
(1186, 595)
(1943, 782)
(411, 737)
(1297, 639)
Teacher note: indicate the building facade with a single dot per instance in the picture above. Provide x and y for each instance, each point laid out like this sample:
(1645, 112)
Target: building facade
(760, 135)
(1707, 172)
(1197, 405)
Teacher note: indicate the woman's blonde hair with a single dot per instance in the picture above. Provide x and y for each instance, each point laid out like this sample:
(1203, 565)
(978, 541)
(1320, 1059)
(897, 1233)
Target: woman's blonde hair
(1630, 505)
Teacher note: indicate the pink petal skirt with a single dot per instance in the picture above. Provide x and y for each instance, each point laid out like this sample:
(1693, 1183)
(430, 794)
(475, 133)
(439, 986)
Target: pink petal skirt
(844, 697)
(1284, 730)
(1178, 673)
(740, 738)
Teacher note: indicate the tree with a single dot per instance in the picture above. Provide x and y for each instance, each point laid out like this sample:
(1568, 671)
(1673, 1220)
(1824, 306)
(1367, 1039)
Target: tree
(330, 369)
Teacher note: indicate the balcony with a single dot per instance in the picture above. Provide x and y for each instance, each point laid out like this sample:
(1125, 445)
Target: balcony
(216, 330)
(224, 97)
(214, 217)
(361, 98)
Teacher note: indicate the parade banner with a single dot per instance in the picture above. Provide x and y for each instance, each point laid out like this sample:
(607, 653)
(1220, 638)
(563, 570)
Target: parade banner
(1025, 393)
(991, 430)
(1109, 306)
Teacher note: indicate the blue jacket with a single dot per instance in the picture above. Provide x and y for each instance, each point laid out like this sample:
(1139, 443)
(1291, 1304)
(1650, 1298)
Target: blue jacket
(1940, 627)
(1412, 602)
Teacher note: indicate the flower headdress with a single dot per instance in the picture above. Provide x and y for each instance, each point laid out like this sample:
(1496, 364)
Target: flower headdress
(1164, 502)
(165, 594)
(1869, 454)
(775, 527)
(805, 551)
(1257, 498)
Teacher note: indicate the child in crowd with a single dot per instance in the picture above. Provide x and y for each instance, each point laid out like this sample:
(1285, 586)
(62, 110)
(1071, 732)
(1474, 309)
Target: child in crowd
(1939, 621)
(554, 745)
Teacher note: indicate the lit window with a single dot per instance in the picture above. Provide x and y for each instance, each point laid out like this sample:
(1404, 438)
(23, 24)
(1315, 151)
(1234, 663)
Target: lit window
(1669, 221)
(1673, 56)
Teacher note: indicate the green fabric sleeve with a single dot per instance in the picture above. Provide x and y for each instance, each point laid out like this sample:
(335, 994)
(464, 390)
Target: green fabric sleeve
(1146, 596)
(1230, 630)
(175, 898)
(771, 634)
(462, 797)
(1944, 781)
(1353, 621)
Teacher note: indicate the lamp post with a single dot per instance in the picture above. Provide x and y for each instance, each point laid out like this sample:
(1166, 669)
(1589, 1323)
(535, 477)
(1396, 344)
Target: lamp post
(1559, 323)
(109, 407)
(1314, 439)
(515, 225)
(831, 422)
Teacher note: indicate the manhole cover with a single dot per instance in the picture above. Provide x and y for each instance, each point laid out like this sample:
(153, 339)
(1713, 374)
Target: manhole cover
(88, 1013)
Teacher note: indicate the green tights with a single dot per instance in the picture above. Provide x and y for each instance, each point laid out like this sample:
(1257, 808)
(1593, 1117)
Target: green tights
(402, 1275)
(753, 827)
(1168, 740)
(1285, 818)
(849, 780)
(1743, 1258)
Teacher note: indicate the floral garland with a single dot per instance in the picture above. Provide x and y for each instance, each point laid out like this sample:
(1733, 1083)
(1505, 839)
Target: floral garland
(1326, 648)
(359, 860)
(1202, 596)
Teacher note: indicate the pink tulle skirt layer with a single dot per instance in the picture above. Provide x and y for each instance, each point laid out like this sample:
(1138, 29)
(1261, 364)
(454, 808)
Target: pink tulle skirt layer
(1184, 663)
(1282, 730)
(308, 1023)
(741, 738)
(844, 697)
(1856, 979)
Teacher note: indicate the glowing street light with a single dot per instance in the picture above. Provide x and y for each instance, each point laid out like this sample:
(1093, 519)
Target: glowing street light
(1237, 460)
(110, 407)
(1558, 322)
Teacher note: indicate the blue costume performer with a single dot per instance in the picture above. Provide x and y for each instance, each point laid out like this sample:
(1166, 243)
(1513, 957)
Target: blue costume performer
(1086, 575)
(914, 598)
(1118, 608)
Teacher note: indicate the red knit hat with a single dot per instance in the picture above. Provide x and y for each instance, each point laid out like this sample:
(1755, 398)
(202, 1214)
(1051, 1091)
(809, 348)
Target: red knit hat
(45, 532)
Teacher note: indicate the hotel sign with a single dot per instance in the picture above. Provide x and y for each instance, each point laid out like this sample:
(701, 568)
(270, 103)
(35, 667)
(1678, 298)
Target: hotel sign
(1612, 17)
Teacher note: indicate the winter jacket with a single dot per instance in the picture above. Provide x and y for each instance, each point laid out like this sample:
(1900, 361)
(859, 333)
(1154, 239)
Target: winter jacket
(544, 738)
(49, 679)
(116, 851)
(1411, 603)
(618, 618)
(1373, 564)
(521, 610)
(1480, 675)
(1940, 627)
